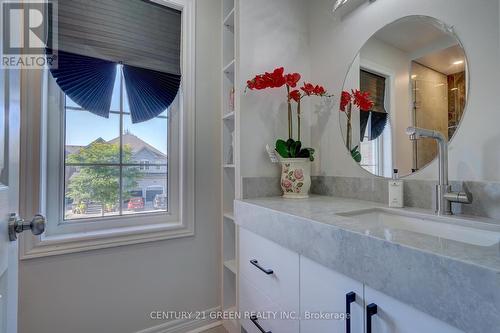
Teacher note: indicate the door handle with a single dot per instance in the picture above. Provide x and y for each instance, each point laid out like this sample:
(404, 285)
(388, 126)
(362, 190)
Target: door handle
(349, 298)
(18, 225)
(265, 270)
(255, 321)
(371, 309)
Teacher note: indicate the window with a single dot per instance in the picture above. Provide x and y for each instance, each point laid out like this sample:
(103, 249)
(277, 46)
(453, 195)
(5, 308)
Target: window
(109, 173)
(375, 147)
(106, 169)
(370, 152)
(144, 165)
(151, 204)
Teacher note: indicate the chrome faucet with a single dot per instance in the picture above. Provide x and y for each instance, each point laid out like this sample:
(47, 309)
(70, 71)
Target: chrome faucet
(444, 195)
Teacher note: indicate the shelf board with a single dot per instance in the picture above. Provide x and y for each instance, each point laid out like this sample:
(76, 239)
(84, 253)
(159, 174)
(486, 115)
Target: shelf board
(229, 19)
(229, 68)
(231, 265)
(229, 215)
(228, 166)
(228, 116)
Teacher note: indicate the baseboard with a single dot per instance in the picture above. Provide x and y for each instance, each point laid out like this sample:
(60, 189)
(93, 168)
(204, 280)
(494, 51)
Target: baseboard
(186, 325)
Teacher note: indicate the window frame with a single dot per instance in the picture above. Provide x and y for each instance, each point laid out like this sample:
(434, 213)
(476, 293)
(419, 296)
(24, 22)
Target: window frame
(130, 229)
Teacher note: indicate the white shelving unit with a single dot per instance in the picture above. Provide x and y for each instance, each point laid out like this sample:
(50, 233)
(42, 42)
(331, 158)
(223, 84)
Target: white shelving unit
(230, 170)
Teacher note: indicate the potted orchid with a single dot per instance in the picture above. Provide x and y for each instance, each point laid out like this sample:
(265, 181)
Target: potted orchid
(294, 158)
(360, 99)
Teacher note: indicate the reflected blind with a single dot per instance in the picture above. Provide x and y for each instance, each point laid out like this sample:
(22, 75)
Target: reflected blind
(375, 120)
(375, 85)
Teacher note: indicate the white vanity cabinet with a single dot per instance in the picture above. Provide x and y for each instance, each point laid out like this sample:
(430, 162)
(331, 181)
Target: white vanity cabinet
(329, 294)
(395, 317)
(269, 285)
(277, 282)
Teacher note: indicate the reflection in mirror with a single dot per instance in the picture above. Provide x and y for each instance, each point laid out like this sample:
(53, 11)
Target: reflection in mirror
(415, 72)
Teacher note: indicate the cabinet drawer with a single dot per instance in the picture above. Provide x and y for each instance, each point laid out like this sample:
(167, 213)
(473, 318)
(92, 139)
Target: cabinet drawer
(271, 317)
(282, 286)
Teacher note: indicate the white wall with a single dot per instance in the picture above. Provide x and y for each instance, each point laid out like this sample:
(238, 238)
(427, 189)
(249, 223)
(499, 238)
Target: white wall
(113, 290)
(273, 33)
(334, 43)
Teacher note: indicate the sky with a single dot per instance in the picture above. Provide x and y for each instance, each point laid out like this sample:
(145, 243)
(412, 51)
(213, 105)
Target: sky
(83, 127)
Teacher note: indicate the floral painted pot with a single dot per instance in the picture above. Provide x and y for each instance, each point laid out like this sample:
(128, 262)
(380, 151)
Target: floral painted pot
(295, 177)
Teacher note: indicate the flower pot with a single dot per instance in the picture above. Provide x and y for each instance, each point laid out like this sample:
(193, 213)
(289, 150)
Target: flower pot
(295, 177)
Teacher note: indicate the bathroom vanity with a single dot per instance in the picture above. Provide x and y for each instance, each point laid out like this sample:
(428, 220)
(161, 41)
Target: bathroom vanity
(331, 264)
(391, 270)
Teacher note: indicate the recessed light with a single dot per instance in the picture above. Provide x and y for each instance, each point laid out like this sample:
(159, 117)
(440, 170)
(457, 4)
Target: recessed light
(458, 62)
(414, 76)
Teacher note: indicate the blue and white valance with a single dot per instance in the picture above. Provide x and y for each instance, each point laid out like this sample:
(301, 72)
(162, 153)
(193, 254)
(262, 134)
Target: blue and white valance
(96, 35)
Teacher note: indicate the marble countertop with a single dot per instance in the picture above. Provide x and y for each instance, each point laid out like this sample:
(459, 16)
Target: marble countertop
(450, 280)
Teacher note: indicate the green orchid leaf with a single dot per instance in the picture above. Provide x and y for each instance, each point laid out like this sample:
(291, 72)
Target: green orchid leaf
(292, 149)
(356, 154)
(307, 153)
(282, 149)
(298, 145)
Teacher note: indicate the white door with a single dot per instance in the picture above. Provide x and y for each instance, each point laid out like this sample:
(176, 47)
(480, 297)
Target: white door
(392, 316)
(325, 299)
(9, 179)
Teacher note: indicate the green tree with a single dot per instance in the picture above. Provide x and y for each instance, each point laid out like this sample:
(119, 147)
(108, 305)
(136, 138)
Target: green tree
(98, 183)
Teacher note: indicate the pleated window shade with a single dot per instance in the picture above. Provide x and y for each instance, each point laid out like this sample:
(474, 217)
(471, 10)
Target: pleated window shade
(96, 35)
(376, 119)
(375, 85)
(133, 32)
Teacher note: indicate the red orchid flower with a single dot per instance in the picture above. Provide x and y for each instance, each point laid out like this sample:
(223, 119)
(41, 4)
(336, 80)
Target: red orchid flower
(292, 79)
(308, 89)
(295, 95)
(362, 100)
(344, 100)
(319, 91)
(275, 79)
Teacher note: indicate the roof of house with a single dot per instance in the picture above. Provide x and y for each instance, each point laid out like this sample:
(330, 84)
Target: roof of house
(135, 143)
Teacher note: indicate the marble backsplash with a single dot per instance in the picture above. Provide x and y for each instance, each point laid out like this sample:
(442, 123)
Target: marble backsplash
(417, 193)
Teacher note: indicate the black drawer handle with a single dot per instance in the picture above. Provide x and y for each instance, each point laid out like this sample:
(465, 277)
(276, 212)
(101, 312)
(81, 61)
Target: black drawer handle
(349, 298)
(256, 264)
(255, 321)
(371, 309)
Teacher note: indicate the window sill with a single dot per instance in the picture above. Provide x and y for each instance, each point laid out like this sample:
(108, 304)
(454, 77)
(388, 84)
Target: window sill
(37, 247)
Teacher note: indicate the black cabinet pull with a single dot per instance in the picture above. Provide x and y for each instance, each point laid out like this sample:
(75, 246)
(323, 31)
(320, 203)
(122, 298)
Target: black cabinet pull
(255, 321)
(256, 264)
(349, 298)
(371, 309)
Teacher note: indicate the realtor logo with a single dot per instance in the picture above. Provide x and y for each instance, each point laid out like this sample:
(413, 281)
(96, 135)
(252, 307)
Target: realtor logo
(28, 34)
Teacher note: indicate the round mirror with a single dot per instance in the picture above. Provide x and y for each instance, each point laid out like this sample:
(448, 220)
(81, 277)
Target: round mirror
(412, 72)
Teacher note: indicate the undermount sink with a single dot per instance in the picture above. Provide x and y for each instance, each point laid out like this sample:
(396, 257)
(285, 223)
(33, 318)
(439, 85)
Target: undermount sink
(451, 228)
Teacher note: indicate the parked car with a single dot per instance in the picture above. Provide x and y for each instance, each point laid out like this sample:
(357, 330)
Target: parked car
(160, 201)
(136, 203)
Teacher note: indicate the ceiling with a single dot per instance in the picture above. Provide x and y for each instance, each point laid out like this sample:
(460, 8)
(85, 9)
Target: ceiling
(426, 41)
(443, 60)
